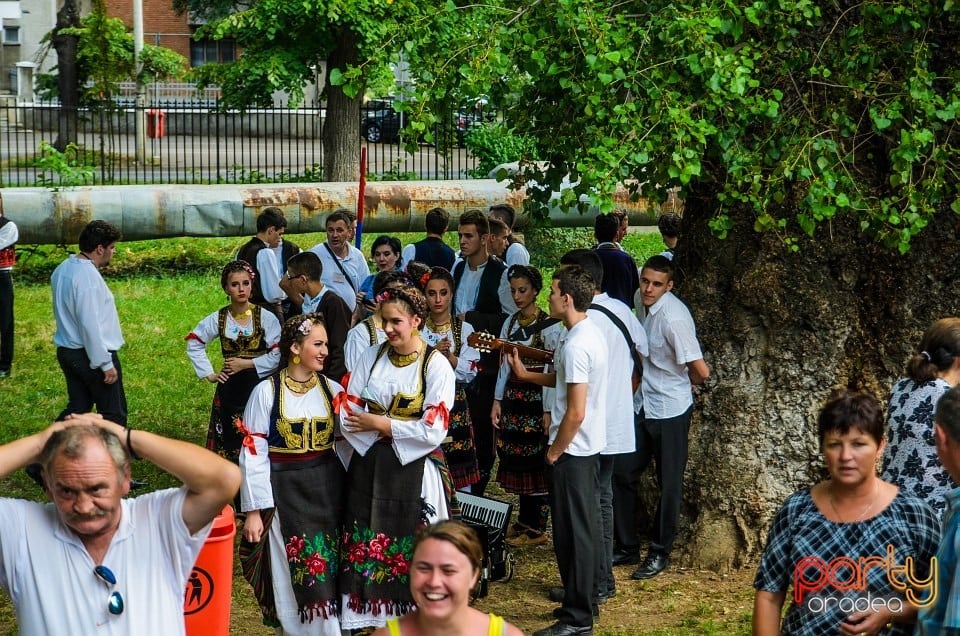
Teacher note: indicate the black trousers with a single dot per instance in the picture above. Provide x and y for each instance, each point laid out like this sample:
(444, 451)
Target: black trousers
(6, 320)
(573, 504)
(480, 401)
(86, 388)
(665, 442)
(604, 582)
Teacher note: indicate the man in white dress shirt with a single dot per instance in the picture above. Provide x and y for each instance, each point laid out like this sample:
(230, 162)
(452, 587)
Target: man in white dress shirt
(674, 365)
(344, 266)
(88, 327)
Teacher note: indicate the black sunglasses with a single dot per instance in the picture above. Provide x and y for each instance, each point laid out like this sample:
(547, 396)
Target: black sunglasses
(114, 601)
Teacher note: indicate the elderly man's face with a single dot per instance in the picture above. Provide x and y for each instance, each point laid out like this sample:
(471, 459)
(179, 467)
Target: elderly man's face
(87, 490)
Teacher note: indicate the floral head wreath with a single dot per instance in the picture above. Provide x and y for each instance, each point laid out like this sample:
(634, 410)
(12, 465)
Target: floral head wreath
(425, 279)
(249, 270)
(308, 323)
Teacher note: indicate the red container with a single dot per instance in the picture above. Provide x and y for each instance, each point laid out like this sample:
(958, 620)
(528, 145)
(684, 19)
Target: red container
(206, 600)
(156, 123)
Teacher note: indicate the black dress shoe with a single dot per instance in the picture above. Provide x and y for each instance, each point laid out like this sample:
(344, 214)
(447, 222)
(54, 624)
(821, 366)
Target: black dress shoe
(562, 629)
(654, 564)
(625, 557)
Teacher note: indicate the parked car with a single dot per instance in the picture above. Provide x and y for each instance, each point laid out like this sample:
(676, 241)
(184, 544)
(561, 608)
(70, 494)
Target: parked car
(380, 122)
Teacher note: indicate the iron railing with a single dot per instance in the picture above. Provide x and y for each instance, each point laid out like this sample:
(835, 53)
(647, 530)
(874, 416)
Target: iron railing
(197, 143)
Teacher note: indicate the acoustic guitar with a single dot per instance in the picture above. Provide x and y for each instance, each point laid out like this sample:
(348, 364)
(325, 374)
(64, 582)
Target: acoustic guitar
(485, 343)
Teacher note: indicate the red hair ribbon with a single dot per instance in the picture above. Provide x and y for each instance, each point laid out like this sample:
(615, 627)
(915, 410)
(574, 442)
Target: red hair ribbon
(438, 412)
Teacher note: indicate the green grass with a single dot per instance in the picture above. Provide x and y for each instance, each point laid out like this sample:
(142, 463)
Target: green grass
(162, 290)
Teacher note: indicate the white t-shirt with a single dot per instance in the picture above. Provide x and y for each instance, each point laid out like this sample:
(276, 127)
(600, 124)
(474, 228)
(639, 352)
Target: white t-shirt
(355, 265)
(516, 254)
(621, 437)
(581, 357)
(49, 575)
(672, 338)
(270, 268)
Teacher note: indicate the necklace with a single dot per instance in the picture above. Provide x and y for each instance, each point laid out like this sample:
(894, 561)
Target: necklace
(405, 359)
(242, 315)
(437, 328)
(863, 513)
(298, 387)
(525, 321)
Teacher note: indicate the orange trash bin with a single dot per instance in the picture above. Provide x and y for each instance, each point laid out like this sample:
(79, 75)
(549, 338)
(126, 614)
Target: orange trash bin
(156, 123)
(206, 599)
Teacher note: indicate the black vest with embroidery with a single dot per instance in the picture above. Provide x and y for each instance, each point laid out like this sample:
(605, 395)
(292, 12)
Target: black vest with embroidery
(250, 346)
(290, 437)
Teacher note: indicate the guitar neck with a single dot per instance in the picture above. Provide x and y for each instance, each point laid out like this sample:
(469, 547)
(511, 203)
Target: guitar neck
(484, 342)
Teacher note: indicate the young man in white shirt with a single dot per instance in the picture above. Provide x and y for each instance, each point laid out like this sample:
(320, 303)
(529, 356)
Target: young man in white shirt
(514, 252)
(88, 327)
(577, 436)
(267, 253)
(622, 382)
(344, 266)
(674, 364)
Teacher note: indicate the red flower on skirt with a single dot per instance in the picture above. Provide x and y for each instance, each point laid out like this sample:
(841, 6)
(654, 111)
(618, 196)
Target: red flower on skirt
(294, 548)
(378, 546)
(316, 564)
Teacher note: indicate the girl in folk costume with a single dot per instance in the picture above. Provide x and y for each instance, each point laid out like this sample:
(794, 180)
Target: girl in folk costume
(448, 335)
(397, 481)
(518, 413)
(248, 338)
(292, 487)
(369, 332)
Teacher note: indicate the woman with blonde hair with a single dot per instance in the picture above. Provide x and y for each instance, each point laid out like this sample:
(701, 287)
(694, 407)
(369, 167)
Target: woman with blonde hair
(911, 460)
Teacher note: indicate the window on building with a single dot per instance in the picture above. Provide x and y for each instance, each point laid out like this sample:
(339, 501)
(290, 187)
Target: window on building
(208, 51)
(11, 35)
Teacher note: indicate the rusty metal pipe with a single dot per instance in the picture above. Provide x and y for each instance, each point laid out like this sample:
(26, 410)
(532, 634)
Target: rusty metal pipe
(143, 212)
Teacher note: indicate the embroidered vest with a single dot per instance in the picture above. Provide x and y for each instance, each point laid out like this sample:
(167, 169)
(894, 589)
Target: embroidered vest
(244, 346)
(303, 435)
(406, 406)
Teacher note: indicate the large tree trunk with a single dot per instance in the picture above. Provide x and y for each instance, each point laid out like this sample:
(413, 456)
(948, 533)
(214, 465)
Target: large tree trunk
(67, 74)
(341, 129)
(779, 331)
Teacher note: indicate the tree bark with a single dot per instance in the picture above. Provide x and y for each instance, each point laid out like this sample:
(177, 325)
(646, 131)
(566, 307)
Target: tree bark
(67, 74)
(341, 128)
(779, 331)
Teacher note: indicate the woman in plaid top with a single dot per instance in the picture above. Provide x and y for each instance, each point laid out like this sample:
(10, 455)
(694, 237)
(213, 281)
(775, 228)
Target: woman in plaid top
(854, 548)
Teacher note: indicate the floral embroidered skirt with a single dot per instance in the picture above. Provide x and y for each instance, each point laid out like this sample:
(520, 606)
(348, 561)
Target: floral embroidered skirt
(294, 567)
(460, 451)
(521, 442)
(384, 509)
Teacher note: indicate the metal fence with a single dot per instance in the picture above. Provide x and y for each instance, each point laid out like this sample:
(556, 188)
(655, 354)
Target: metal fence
(198, 144)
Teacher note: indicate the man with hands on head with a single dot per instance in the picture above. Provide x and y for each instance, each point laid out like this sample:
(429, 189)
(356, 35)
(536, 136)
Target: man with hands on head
(91, 561)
